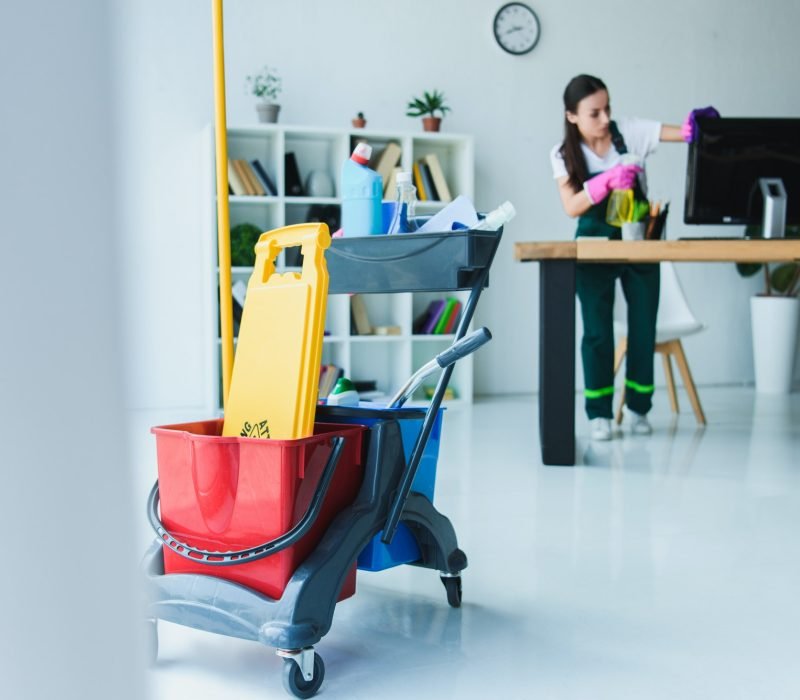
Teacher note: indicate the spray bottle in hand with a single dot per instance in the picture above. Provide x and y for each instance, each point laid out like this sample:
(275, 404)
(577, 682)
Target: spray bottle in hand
(620, 201)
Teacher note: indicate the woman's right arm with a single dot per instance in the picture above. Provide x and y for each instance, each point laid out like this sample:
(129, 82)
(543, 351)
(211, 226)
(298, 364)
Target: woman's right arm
(575, 203)
(596, 189)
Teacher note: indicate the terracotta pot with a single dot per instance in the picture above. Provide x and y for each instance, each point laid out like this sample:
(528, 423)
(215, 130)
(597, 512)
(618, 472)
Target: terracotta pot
(359, 123)
(268, 112)
(431, 123)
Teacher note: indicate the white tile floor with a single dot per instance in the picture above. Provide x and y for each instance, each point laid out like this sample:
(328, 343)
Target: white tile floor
(665, 567)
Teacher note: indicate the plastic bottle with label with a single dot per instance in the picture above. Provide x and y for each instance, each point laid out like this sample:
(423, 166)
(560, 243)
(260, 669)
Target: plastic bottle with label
(496, 218)
(620, 202)
(405, 203)
(362, 189)
(343, 394)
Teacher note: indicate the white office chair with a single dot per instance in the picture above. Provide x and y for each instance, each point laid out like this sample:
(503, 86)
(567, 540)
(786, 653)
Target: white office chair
(674, 321)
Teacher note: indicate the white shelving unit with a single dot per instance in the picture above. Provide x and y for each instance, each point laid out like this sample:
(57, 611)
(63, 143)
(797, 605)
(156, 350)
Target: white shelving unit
(388, 360)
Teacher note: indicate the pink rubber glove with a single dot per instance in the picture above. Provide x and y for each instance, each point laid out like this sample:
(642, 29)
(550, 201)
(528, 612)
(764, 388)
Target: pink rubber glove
(689, 126)
(620, 177)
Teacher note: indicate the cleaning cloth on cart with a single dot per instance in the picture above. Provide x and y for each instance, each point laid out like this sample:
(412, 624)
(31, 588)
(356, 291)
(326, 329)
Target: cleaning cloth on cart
(460, 211)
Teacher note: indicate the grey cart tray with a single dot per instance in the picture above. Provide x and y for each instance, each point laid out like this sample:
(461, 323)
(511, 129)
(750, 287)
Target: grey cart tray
(414, 262)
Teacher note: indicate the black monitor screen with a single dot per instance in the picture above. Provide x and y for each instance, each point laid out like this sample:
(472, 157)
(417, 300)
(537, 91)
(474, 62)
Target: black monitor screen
(726, 161)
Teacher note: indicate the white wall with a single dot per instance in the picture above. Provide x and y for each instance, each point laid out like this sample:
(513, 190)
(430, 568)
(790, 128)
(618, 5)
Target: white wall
(337, 58)
(70, 565)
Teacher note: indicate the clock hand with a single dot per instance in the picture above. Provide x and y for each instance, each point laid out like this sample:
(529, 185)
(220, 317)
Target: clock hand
(514, 29)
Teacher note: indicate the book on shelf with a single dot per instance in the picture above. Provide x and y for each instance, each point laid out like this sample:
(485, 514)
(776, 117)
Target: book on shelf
(441, 324)
(365, 385)
(239, 292)
(384, 162)
(240, 171)
(435, 310)
(237, 313)
(234, 181)
(387, 330)
(437, 175)
(328, 376)
(237, 308)
(390, 190)
(419, 321)
(255, 184)
(359, 316)
(453, 320)
(427, 180)
(416, 171)
(264, 178)
(291, 173)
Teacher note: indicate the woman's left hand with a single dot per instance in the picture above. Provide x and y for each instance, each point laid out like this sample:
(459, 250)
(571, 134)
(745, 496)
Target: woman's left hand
(689, 128)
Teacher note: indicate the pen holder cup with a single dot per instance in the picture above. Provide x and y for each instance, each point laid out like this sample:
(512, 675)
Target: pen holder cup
(633, 231)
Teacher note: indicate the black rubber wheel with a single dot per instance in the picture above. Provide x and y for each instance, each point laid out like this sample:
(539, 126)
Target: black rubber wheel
(296, 685)
(452, 584)
(151, 641)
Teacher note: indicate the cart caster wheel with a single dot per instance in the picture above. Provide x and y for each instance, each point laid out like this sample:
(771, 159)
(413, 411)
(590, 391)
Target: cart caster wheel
(293, 680)
(151, 641)
(452, 584)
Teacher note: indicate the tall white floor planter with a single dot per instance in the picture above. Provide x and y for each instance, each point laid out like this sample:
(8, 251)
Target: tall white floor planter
(775, 321)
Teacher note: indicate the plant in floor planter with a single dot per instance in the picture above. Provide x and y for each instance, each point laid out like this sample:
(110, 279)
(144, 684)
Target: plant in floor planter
(779, 280)
(266, 85)
(426, 107)
(775, 317)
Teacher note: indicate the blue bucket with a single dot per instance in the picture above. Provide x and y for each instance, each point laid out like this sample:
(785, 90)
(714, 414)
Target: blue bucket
(378, 556)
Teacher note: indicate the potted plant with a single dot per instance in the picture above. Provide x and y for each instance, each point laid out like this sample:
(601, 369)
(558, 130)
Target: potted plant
(359, 122)
(775, 317)
(266, 86)
(428, 104)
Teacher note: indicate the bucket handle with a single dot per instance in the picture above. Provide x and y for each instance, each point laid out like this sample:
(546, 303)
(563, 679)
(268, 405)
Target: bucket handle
(253, 553)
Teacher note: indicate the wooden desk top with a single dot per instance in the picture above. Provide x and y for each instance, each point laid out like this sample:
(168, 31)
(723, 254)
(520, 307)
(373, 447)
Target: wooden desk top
(584, 250)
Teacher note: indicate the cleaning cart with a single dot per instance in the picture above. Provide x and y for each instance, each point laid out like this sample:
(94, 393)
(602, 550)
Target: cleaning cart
(354, 486)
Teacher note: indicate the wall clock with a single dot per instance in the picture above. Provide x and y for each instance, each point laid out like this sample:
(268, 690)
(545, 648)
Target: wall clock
(516, 28)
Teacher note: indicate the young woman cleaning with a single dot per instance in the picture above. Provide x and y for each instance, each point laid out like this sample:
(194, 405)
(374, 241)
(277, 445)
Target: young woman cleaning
(587, 166)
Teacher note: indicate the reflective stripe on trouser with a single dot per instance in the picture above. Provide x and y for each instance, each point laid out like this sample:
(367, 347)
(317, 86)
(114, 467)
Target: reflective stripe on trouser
(595, 286)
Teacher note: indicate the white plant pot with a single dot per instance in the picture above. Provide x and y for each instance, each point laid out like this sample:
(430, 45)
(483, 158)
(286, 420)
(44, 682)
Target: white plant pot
(268, 112)
(775, 321)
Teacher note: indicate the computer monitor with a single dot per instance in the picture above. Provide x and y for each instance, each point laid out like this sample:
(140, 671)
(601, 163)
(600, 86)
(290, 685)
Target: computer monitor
(728, 163)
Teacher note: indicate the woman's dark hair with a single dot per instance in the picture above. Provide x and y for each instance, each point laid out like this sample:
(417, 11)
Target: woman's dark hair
(579, 87)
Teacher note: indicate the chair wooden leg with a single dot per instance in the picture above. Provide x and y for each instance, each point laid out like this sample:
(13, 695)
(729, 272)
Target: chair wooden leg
(671, 391)
(621, 405)
(619, 354)
(688, 382)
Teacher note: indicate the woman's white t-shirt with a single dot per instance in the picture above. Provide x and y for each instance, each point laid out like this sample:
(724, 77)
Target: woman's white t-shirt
(641, 139)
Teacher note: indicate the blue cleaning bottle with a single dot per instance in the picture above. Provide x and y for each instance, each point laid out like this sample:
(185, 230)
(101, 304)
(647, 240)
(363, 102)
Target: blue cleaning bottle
(403, 220)
(362, 190)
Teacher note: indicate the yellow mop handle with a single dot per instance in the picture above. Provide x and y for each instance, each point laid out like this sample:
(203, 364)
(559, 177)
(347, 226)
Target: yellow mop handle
(223, 213)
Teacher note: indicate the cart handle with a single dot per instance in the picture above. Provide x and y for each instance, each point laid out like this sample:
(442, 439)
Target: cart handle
(253, 553)
(461, 348)
(404, 488)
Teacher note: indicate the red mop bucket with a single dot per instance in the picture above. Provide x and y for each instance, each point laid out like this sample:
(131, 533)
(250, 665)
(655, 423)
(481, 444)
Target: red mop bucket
(226, 494)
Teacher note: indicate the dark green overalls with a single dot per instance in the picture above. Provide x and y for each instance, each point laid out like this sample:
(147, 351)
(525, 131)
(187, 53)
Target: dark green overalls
(595, 286)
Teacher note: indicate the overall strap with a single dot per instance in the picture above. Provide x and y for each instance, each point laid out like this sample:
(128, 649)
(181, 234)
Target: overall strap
(593, 222)
(616, 138)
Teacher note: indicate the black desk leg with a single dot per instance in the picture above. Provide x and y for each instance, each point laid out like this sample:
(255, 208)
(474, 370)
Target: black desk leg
(557, 361)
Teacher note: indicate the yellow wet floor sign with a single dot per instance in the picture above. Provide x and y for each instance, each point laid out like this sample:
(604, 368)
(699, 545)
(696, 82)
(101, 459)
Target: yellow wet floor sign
(275, 376)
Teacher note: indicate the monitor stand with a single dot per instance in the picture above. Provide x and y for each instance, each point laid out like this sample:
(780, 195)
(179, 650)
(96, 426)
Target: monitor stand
(774, 206)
